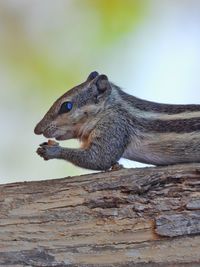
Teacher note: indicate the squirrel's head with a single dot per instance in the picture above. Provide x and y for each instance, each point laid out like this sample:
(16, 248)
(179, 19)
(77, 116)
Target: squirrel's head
(75, 108)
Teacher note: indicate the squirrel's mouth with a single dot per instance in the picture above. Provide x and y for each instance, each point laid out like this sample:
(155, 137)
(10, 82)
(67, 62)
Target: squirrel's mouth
(57, 134)
(53, 133)
(57, 137)
(64, 136)
(61, 137)
(48, 134)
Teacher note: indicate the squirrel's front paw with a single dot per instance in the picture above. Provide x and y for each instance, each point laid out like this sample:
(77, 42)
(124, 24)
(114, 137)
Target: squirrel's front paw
(49, 151)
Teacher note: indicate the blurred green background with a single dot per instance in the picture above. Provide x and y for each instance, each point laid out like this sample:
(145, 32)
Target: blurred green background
(150, 48)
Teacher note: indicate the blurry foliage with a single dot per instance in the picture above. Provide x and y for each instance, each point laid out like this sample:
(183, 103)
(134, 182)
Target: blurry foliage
(92, 26)
(117, 17)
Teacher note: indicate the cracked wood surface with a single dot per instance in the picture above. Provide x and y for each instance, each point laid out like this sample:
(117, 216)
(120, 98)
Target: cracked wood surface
(130, 217)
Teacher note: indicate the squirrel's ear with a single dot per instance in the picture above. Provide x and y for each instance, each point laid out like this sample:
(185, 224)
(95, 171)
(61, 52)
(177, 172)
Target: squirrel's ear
(92, 75)
(102, 83)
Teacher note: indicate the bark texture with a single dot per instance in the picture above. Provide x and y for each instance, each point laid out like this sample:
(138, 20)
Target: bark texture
(130, 217)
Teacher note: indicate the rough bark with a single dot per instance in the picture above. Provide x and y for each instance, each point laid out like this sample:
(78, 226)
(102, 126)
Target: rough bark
(130, 217)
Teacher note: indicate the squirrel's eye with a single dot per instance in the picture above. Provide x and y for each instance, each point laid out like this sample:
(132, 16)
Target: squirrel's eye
(65, 107)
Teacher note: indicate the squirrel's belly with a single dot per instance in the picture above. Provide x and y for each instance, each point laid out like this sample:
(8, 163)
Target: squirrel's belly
(138, 152)
(164, 149)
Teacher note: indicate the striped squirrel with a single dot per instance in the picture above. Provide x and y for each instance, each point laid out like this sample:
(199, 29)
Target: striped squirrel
(112, 124)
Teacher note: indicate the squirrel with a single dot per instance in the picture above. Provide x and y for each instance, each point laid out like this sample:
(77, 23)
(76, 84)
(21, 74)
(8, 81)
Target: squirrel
(112, 124)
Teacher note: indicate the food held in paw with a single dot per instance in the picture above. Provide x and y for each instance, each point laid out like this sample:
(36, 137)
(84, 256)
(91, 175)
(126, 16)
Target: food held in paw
(52, 143)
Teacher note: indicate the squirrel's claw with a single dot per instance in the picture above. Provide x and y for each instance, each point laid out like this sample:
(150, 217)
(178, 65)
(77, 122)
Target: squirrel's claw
(43, 144)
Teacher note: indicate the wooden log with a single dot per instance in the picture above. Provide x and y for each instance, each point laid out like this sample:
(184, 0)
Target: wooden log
(130, 217)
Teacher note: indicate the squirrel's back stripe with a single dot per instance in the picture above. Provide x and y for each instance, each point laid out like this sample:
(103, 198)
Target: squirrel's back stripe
(168, 126)
(144, 105)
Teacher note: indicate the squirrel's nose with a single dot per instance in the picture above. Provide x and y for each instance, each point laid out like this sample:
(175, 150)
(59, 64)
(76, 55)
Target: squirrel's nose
(38, 129)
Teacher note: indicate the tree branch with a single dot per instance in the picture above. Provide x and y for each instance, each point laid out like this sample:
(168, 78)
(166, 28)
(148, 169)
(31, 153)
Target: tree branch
(130, 217)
